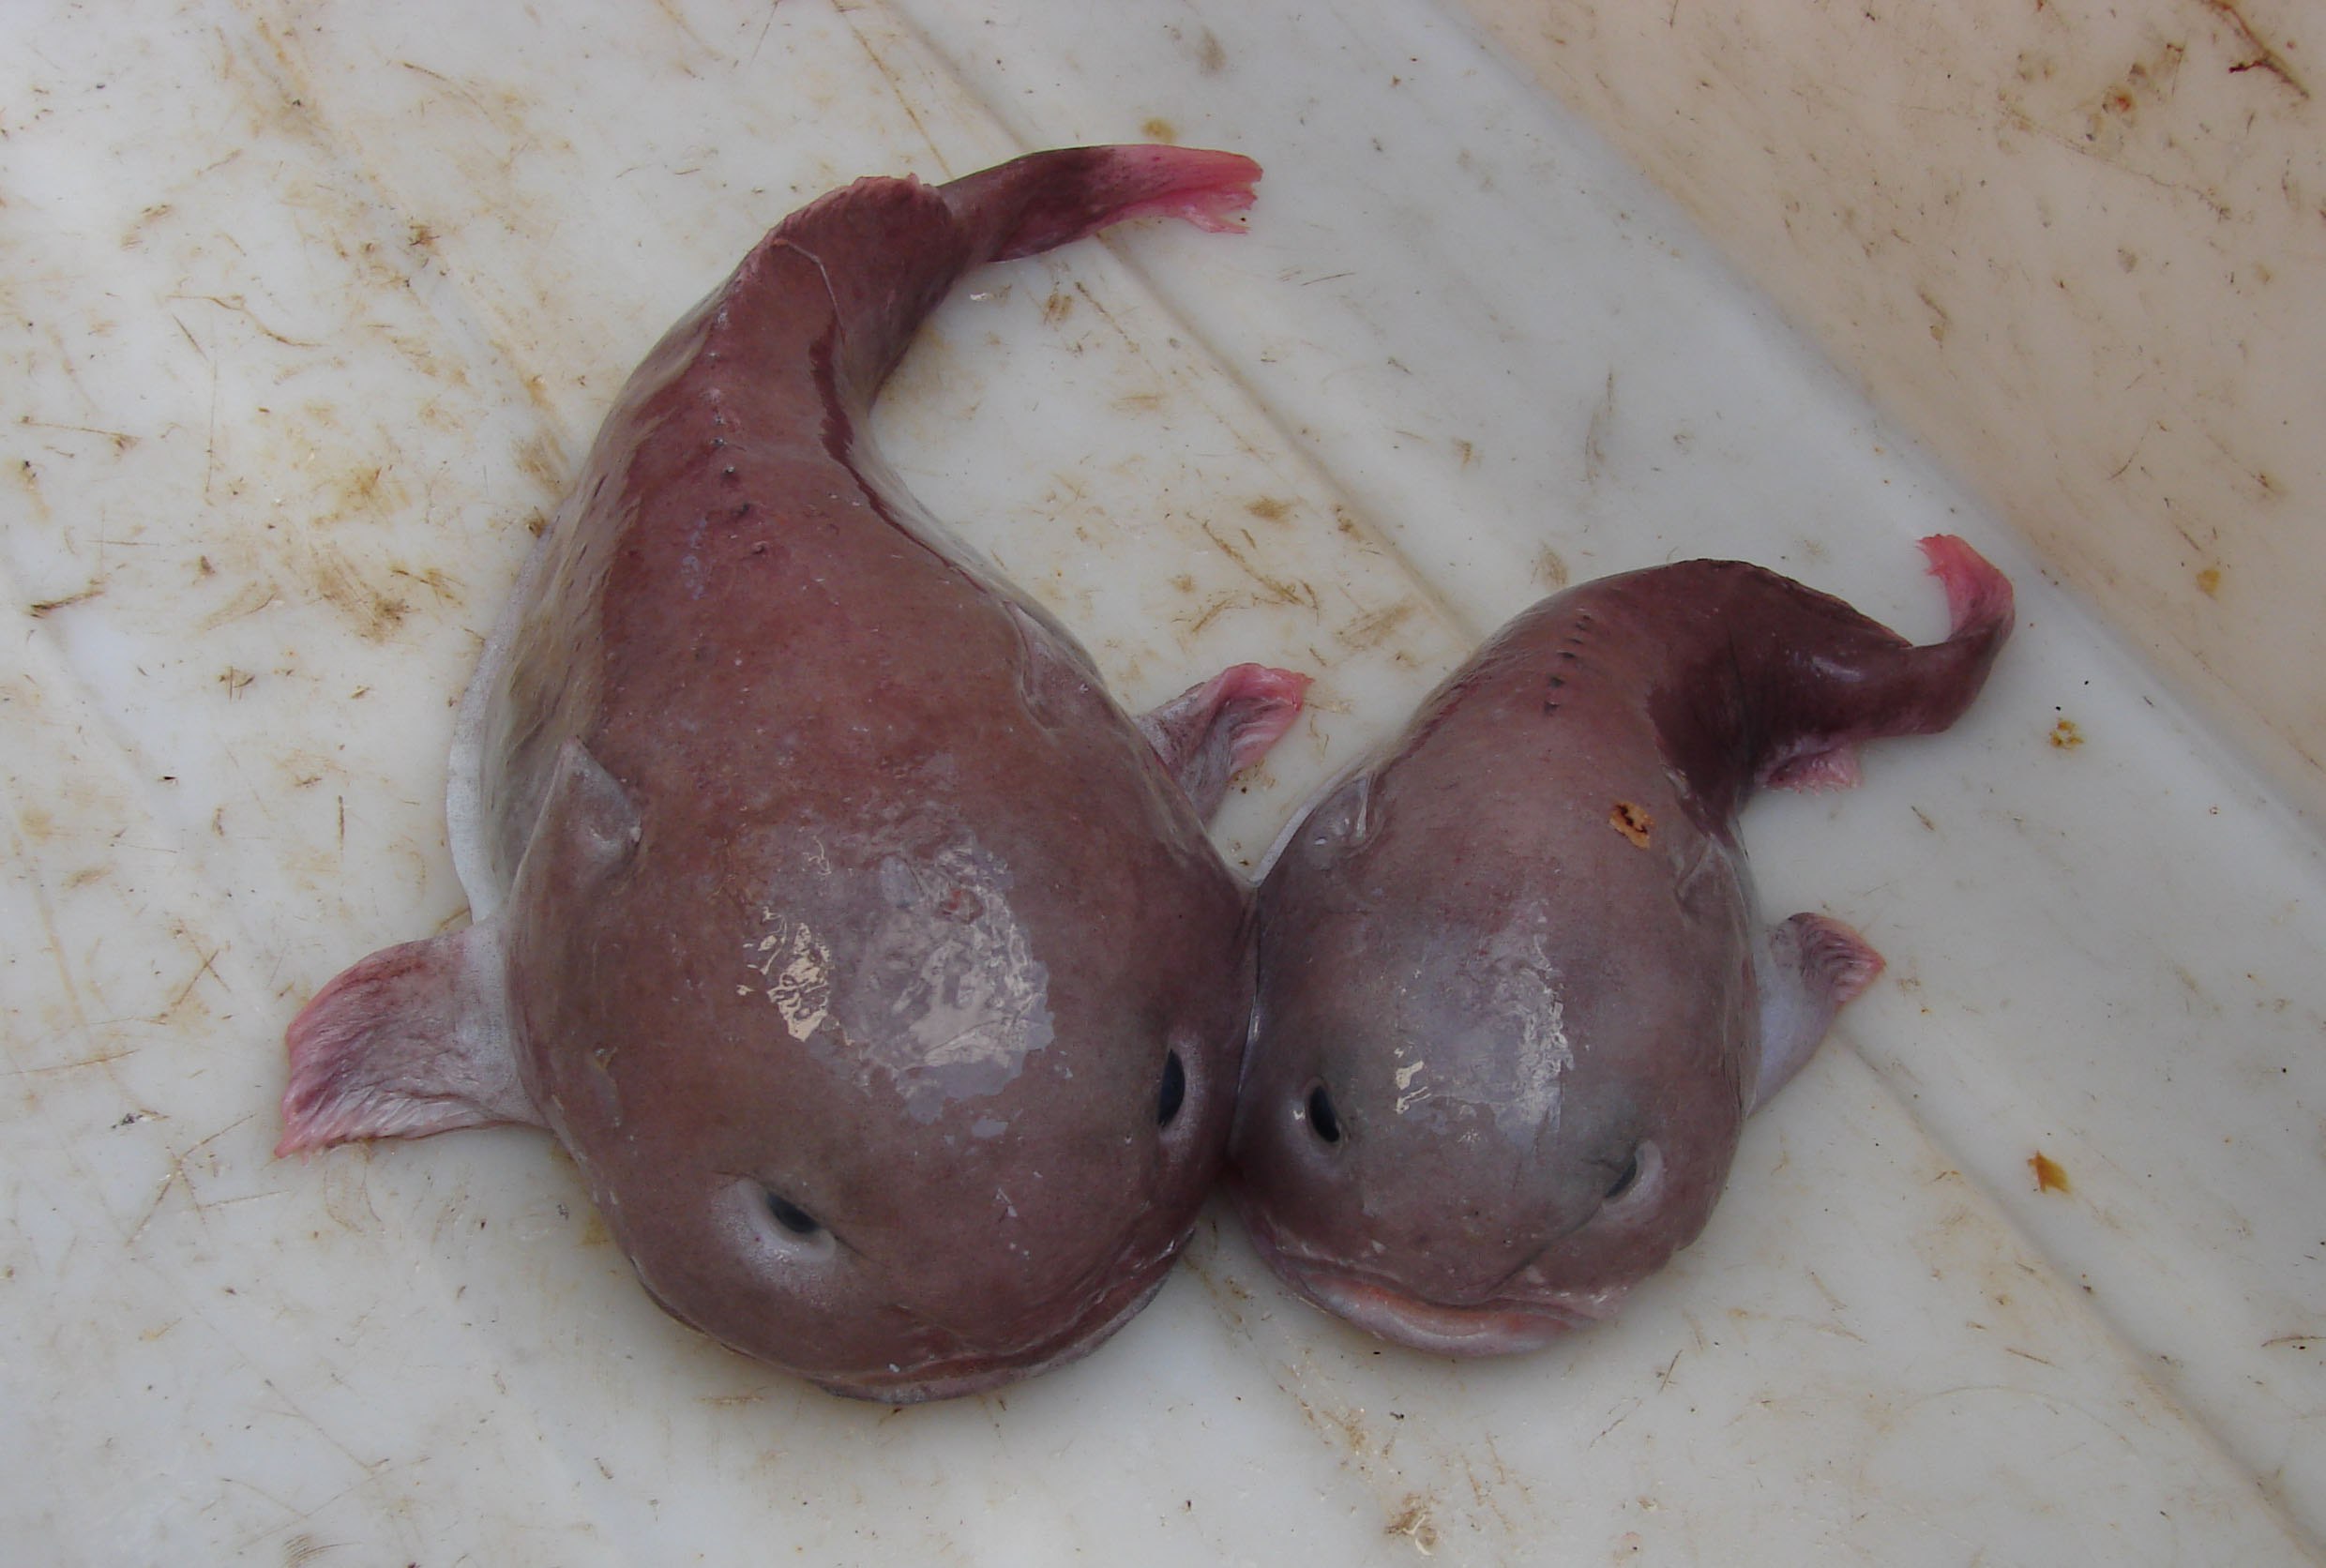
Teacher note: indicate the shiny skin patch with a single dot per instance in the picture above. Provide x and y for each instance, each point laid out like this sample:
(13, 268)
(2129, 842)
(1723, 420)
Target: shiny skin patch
(794, 969)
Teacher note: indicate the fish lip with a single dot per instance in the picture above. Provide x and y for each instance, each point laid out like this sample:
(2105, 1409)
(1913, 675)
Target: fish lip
(976, 1371)
(1496, 1329)
(1500, 1326)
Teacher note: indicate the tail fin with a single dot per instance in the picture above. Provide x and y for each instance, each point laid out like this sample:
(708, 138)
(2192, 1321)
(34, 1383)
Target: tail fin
(1978, 597)
(888, 249)
(1038, 202)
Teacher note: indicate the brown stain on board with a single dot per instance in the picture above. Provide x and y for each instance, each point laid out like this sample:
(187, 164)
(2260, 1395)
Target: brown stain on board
(1375, 626)
(375, 615)
(1279, 591)
(249, 599)
(29, 476)
(1412, 1520)
(49, 607)
(2265, 59)
(2050, 1175)
(1219, 606)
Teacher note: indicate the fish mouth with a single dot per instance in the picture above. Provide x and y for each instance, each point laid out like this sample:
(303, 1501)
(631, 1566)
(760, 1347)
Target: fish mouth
(952, 1374)
(1500, 1326)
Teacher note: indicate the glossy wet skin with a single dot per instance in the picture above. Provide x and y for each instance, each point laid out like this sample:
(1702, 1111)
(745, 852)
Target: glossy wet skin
(873, 966)
(859, 1094)
(1487, 1105)
(1514, 999)
(863, 1045)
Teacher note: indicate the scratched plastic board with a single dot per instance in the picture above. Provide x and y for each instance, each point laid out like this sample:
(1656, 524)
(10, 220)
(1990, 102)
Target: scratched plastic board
(310, 310)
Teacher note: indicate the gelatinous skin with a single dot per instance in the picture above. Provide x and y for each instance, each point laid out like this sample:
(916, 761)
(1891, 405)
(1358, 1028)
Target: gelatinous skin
(871, 963)
(1515, 1001)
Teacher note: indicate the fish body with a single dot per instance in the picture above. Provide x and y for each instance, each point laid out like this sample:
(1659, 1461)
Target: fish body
(1514, 998)
(872, 965)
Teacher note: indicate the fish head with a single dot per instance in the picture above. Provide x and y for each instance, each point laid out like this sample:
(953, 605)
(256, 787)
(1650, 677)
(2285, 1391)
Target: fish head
(896, 1116)
(1475, 1110)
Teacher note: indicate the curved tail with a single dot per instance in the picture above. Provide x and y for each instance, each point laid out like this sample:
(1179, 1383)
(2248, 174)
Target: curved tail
(887, 250)
(1855, 681)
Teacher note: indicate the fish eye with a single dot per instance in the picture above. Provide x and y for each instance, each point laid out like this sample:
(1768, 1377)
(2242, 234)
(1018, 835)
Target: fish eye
(782, 1228)
(1323, 1120)
(1174, 1091)
(793, 1218)
(1625, 1177)
(1638, 1179)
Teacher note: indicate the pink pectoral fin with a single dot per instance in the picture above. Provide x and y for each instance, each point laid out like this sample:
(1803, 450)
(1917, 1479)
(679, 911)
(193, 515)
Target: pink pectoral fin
(1210, 732)
(410, 1040)
(1809, 966)
(1814, 771)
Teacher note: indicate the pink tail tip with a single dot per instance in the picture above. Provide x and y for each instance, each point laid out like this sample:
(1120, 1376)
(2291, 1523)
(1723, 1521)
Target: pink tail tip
(1213, 187)
(1978, 597)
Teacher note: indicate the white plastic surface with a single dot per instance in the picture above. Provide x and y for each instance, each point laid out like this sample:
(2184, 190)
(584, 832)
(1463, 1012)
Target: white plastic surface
(308, 312)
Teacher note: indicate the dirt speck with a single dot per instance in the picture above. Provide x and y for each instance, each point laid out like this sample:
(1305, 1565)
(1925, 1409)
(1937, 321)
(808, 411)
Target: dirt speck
(1218, 605)
(1373, 627)
(2065, 736)
(1269, 508)
(2208, 582)
(1632, 822)
(540, 458)
(1940, 321)
(46, 607)
(1595, 435)
(376, 615)
(2264, 57)
(1412, 1520)
(2050, 1176)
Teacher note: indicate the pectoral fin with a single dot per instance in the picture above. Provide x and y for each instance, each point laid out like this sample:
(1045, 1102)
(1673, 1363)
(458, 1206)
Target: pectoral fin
(1210, 732)
(1808, 968)
(413, 1040)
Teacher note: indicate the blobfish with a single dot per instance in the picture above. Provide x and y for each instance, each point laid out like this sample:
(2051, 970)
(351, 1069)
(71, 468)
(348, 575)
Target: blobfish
(1515, 997)
(872, 964)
